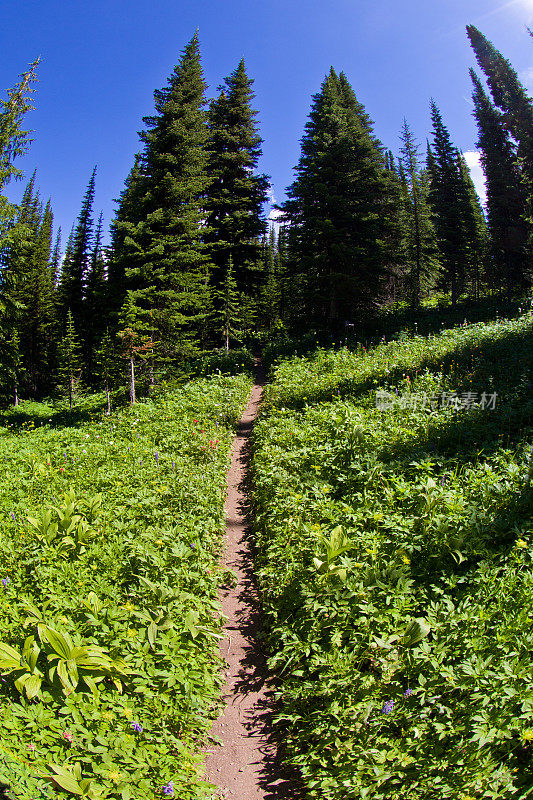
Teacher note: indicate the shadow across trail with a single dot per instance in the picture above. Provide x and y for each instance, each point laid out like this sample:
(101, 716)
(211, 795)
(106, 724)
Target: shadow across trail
(248, 765)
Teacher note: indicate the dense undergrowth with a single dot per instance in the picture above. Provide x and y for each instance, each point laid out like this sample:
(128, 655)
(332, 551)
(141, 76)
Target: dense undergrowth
(395, 547)
(108, 593)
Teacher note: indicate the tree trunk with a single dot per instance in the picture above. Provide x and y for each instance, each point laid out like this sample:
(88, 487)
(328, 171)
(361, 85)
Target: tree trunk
(132, 383)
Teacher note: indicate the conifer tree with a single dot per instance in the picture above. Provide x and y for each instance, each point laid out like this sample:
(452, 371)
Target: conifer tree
(446, 197)
(227, 314)
(160, 238)
(124, 251)
(14, 141)
(511, 97)
(136, 343)
(339, 210)
(236, 194)
(72, 285)
(69, 360)
(475, 227)
(506, 196)
(270, 294)
(106, 365)
(95, 305)
(419, 244)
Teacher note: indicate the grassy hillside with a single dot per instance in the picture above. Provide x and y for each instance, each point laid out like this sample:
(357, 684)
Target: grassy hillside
(395, 547)
(108, 594)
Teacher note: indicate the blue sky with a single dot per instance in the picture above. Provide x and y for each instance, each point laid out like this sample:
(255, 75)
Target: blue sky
(102, 61)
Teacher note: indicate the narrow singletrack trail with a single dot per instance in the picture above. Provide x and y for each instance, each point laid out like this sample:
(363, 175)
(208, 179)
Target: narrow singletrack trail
(247, 765)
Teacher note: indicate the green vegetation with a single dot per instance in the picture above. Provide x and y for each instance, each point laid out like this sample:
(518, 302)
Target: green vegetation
(396, 563)
(108, 592)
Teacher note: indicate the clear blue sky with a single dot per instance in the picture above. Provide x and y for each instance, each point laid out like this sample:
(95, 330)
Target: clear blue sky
(101, 62)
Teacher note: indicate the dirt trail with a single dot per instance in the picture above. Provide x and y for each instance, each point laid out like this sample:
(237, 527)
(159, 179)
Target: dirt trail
(247, 765)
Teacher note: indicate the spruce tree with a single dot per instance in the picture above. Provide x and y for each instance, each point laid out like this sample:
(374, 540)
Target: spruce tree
(511, 97)
(106, 365)
(136, 343)
(95, 303)
(228, 308)
(419, 244)
(160, 238)
(69, 360)
(72, 285)
(446, 198)
(506, 196)
(339, 210)
(236, 194)
(475, 227)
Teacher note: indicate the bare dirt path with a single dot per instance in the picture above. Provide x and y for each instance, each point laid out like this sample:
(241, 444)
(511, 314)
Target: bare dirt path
(247, 766)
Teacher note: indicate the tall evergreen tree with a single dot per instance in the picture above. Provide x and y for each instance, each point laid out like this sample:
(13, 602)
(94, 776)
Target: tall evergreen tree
(339, 210)
(475, 228)
(69, 360)
(419, 243)
(95, 305)
(236, 194)
(511, 97)
(506, 196)
(446, 197)
(73, 279)
(160, 237)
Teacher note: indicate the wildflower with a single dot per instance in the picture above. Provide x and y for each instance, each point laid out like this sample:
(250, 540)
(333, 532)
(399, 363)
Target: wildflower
(31, 747)
(13, 516)
(114, 775)
(132, 633)
(520, 544)
(408, 693)
(68, 736)
(174, 466)
(168, 789)
(527, 736)
(387, 708)
(5, 581)
(127, 711)
(157, 458)
(137, 727)
(107, 715)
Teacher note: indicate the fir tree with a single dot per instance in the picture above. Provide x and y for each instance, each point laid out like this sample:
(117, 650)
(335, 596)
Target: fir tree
(339, 210)
(228, 315)
(136, 344)
(71, 290)
(419, 245)
(95, 305)
(506, 196)
(160, 242)
(511, 97)
(106, 365)
(446, 198)
(475, 227)
(69, 356)
(236, 194)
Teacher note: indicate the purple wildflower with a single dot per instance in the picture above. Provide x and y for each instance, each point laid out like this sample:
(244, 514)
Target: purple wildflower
(387, 708)
(5, 581)
(137, 727)
(169, 788)
(13, 516)
(193, 546)
(174, 466)
(408, 693)
(157, 458)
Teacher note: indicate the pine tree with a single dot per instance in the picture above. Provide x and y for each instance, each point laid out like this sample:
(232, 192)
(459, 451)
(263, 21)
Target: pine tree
(446, 198)
(136, 344)
(339, 210)
(72, 284)
(227, 315)
(236, 194)
(419, 244)
(160, 243)
(69, 353)
(475, 226)
(106, 365)
(14, 141)
(511, 97)
(95, 304)
(506, 196)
